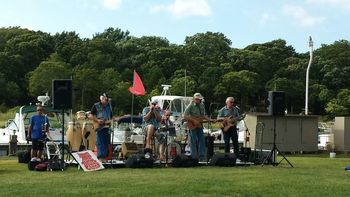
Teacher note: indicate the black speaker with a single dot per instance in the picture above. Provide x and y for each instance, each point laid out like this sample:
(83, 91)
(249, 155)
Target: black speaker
(223, 159)
(62, 93)
(277, 103)
(244, 154)
(184, 161)
(139, 161)
(209, 144)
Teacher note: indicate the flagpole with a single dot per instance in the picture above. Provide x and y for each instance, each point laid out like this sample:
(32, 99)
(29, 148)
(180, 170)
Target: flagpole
(132, 109)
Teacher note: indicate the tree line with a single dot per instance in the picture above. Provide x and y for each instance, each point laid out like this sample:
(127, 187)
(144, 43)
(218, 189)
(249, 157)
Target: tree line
(205, 63)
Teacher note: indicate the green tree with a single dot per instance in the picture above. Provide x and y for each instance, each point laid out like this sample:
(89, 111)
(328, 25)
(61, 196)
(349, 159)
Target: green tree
(86, 87)
(113, 34)
(241, 85)
(40, 80)
(340, 105)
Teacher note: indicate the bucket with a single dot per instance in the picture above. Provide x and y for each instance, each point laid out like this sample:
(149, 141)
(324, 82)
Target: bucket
(332, 155)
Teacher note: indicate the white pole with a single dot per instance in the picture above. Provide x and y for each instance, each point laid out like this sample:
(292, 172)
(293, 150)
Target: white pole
(307, 77)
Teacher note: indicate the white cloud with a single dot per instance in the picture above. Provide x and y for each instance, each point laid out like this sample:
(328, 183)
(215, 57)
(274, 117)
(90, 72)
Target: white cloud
(301, 16)
(183, 8)
(345, 4)
(112, 4)
(265, 18)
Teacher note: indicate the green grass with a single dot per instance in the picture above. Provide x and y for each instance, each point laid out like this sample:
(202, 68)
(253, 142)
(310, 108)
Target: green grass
(312, 175)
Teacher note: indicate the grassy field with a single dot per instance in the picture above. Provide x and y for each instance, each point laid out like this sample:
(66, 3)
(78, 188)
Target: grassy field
(312, 175)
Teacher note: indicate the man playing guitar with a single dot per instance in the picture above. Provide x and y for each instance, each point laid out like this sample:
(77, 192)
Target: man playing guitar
(195, 115)
(101, 115)
(229, 114)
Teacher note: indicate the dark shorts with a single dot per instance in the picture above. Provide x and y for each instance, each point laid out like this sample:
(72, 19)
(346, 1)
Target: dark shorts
(37, 144)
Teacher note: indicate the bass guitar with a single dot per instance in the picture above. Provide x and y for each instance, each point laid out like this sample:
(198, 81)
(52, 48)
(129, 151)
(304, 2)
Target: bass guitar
(98, 126)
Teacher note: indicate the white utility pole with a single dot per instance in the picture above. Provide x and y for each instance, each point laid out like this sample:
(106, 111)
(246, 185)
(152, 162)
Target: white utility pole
(311, 44)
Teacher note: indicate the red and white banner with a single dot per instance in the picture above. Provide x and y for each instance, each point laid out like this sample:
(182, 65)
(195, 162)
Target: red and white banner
(88, 161)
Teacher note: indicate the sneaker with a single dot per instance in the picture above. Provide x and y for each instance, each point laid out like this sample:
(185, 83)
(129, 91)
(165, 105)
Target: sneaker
(238, 161)
(33, 159)
(38, 159)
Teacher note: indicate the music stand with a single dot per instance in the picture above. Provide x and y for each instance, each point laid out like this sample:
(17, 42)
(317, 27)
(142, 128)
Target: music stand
(275, 149)
(169, 131)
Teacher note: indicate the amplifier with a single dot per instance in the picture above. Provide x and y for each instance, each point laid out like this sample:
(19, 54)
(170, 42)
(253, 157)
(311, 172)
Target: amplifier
(129, 148)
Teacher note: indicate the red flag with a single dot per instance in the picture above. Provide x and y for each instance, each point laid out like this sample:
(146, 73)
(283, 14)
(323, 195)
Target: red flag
(137, 88)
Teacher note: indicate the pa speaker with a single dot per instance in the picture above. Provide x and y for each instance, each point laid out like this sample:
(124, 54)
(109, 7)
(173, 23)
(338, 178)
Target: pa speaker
(223, 159)
(139, 161)
(184, 161)
(244, 154)
(209, 144)
(277, 103)
(62, 93)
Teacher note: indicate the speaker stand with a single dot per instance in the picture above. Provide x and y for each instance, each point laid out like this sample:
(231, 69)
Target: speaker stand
(275, 150)
(62, 158)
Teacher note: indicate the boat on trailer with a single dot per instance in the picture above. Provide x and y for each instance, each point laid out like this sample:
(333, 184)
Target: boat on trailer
(16, 129)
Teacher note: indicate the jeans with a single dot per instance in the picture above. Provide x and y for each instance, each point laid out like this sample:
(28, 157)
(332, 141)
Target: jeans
(231, 134)
(197, 143)
(102, 142)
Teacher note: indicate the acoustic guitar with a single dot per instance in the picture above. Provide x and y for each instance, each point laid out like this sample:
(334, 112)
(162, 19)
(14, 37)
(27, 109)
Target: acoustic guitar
(98, 126)
(230, 122)
(196, 122)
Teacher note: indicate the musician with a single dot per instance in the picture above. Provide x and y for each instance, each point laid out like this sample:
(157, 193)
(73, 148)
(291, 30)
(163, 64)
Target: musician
(151, 118)
(230, 116)
(195, 115)
(166, 122)
(101, 113)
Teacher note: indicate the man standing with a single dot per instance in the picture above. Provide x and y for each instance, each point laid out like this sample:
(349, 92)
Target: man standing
(101, 114)
(38, 126)
(229, 114)
(195, 115)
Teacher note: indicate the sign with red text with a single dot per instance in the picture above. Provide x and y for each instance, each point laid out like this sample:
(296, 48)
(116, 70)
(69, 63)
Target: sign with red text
(88, 161)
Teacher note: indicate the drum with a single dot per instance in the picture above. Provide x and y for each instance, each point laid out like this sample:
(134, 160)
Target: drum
(74, 136)
(89, 135)
(174, 149)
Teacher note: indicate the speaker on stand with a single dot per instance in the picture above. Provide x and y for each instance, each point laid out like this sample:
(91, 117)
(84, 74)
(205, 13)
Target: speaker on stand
(276, 109)
(62, 93)
(62, 99)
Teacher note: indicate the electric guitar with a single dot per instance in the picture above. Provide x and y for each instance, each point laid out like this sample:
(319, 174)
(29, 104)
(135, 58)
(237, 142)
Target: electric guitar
(230, 122)
(196, 122)
(98, 126)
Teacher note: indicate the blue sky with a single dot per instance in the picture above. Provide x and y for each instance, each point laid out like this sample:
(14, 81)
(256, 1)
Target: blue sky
(244, 22)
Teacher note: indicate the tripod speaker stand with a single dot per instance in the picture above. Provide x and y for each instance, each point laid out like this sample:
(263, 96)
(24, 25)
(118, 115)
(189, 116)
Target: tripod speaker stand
(273, 153)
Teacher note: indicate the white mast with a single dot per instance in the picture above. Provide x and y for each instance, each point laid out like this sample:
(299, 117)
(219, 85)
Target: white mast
(307, 77)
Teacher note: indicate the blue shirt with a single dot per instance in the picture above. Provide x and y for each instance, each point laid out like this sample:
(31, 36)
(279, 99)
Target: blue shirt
(38, 123)
(152, 119)
(226, 112)
(102, 112)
